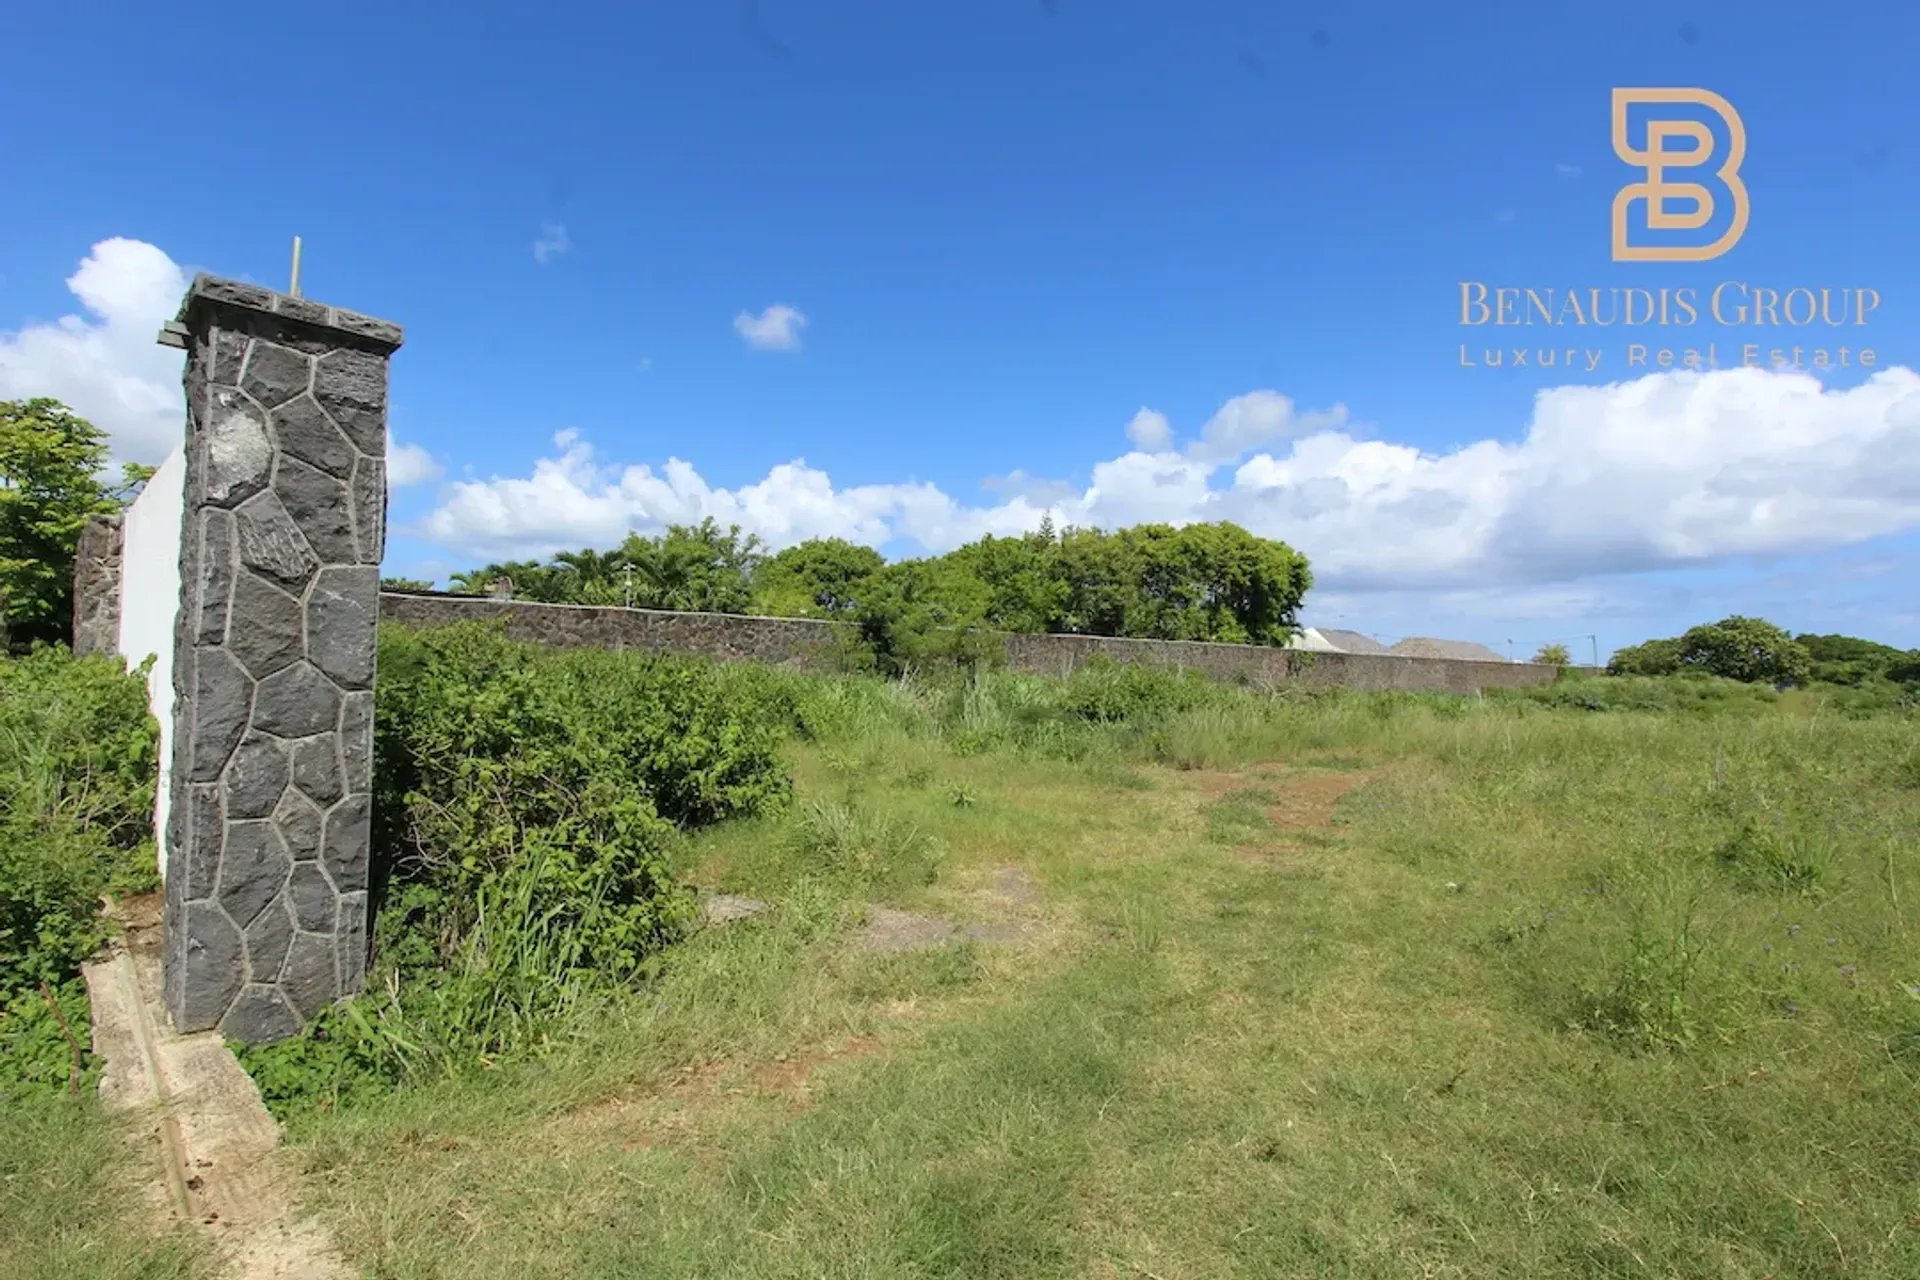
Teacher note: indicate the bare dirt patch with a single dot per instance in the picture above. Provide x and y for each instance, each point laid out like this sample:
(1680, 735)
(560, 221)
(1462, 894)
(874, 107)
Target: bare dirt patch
(681, 1111)
(1010, 900)
(1296, 804)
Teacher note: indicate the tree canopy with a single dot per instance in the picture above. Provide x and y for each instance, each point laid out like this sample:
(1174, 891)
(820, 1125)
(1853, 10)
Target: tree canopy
(51, 464)
(1198, 582)
(1754, 650)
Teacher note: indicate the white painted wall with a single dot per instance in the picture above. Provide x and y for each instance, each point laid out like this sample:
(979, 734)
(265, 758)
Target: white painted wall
(149, 604)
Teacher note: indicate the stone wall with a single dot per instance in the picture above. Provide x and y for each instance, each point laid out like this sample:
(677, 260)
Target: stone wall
(283, 529)
(789, 642)
(96, 586)
(805, 642)
(1263, 665)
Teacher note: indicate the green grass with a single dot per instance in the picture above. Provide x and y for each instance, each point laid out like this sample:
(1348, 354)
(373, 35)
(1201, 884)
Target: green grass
(72, 1198)
(1565, 990)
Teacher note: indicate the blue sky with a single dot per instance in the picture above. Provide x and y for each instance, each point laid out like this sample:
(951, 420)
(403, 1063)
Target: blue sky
(1005, 228)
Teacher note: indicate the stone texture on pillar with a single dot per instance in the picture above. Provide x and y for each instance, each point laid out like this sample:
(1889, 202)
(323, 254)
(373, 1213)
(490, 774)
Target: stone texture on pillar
(96, 586)
(269, 827)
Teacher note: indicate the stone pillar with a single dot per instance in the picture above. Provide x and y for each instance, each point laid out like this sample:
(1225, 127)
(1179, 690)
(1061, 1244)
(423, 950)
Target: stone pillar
(269, 827)
(96, 586)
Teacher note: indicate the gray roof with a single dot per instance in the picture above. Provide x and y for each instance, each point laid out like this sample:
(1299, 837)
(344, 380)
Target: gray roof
(1458, 650)
(1350, 641)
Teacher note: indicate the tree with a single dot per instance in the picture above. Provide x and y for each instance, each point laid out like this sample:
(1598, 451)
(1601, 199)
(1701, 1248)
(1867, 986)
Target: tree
(1018, 578)
(695, 568)
(1848, 659)
(1553, 655)
(530, 580)
(918, 612)
(133, 482)
(405, 584)
(821, 577)
(1201, 582)
(1651, 658)
(1749, 649)
(1214, 582)
(50, 463)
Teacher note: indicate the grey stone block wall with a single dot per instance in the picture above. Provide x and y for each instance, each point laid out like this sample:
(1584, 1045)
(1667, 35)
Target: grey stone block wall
(96, 586)
(271, 805)
(810, 643)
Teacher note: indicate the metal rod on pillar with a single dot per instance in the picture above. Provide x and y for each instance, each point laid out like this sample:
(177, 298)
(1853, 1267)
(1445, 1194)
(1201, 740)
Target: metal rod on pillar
(294, 288)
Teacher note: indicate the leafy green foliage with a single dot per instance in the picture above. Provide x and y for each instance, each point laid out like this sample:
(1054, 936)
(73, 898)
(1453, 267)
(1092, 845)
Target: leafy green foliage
(77, 774)
(1200, 582)
(1749, 649)
(1651, 658)
(1644, 693)
(50, 463)
(1109, 692)
(922, 613)
(526, 802)
(1553, 655)
(1849, 660)
(819, 578)
(44, 1045)
(405, 584)
(700, 568)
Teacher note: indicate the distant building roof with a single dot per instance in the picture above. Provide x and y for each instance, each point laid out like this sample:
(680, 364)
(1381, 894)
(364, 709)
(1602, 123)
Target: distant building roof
(1313, 640)
(1458, 650)
(1350, 641)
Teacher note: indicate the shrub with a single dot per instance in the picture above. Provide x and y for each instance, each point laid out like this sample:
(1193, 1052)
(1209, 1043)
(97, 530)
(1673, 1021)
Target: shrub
(77, 770)
(526, 802)
(1110, 692)
(1643, 693)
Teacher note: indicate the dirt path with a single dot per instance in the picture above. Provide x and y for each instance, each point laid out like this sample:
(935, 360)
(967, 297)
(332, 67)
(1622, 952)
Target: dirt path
(1300, 801)
(215, 1145)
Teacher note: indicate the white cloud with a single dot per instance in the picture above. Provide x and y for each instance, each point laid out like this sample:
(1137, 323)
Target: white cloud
(1150, 430)
(409, 464)
(1567, 170)
(1673, 470)
(552, 242)
(108, 366)
(775, 329)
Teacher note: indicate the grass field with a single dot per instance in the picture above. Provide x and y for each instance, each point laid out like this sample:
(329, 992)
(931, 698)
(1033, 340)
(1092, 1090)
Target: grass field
(1353, 986)
(74, 1202)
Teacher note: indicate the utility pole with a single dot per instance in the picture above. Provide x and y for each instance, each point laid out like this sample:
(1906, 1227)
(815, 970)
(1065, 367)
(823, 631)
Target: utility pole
(293, 287)
(1595, 642)
(629, 577)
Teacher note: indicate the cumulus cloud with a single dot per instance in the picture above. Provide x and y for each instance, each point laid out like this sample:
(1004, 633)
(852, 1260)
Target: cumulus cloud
(1150, 430)
(551, 243)
(1673, 470)
(409, 464)
(104, 363)
(775, 329)
(107, 366)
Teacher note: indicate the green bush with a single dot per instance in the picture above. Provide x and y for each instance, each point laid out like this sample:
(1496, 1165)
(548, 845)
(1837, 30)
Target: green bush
(526, 801)
(1652, 658)
(77, 776)
(1110, 692)
(1644, 693)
